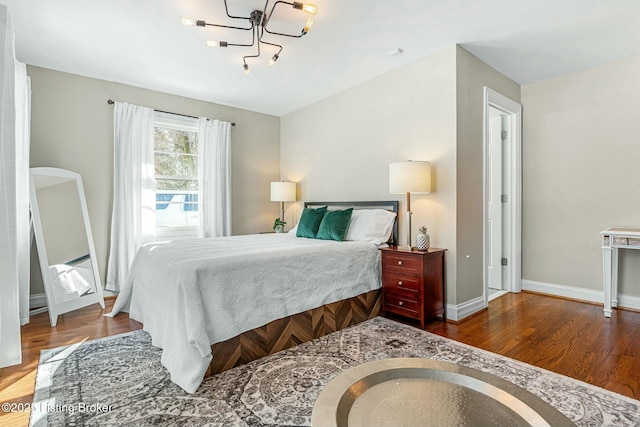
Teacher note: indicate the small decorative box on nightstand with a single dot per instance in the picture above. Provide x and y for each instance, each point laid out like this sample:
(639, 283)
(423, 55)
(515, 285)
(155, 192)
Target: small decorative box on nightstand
(413, 283)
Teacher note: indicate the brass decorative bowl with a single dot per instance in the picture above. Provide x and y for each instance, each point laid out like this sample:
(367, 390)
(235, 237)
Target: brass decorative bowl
(422, 392)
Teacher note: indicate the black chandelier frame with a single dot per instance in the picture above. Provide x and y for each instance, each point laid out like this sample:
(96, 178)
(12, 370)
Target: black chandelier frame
(259, 25)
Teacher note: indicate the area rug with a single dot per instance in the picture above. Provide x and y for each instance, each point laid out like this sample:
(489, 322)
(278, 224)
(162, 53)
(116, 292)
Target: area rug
(120, 381)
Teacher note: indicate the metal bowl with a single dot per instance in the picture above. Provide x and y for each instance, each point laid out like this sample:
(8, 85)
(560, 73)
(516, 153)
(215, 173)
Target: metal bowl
(421, 392)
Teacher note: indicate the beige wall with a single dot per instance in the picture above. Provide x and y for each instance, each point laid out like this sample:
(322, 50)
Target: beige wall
(581, 152)
(432, 110)
(472, 75)
(340, 148)
(72, 128)
(579, 157)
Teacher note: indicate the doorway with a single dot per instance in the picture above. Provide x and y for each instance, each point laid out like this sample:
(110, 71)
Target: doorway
(502, 195)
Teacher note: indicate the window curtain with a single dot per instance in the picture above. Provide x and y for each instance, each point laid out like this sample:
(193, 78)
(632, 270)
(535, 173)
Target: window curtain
(10, 348)
(134, 204)
(23, 138)
(214, 176)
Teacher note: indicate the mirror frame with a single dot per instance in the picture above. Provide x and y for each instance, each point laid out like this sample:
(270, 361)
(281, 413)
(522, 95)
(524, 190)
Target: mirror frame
(56, 309)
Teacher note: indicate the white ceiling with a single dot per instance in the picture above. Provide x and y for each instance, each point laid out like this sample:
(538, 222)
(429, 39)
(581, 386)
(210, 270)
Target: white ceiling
(142, 42)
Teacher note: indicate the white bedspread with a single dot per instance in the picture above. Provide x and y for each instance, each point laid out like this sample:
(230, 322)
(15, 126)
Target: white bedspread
(71, 282)
(190, 294)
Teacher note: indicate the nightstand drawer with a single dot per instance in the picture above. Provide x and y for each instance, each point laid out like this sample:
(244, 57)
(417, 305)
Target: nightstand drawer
(395, 282)
(401, 262)
(402, 305)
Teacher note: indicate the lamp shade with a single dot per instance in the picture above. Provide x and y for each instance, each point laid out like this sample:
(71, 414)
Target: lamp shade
(410, 177)
(283, 191)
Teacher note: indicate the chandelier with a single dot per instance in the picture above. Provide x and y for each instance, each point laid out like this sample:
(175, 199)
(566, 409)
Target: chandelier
(258, 22)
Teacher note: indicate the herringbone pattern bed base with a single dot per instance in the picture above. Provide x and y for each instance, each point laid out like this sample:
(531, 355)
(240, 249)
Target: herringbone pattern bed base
(293, 330)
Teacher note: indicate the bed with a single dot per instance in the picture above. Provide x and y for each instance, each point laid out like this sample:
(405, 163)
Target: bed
(212, 304)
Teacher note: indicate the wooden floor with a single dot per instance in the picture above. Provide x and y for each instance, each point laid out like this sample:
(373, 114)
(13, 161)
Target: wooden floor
(567, 337)
(563, 336)
(17, 382)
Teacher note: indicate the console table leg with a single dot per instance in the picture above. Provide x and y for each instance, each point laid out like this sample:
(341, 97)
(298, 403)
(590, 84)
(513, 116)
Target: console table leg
(606, 278)
(614, 277)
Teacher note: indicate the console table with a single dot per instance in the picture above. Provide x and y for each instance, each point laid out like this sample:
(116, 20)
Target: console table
(613, 239)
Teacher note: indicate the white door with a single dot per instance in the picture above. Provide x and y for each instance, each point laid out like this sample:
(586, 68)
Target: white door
(507, 201)
(494, 202)
(502, 195)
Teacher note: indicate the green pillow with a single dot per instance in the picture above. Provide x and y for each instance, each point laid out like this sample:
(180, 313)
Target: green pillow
(310, 221)
(334, 225)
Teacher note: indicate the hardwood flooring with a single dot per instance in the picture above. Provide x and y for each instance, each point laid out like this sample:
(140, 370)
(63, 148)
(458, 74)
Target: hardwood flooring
(568, 337)
(564, 336)
(17, 382)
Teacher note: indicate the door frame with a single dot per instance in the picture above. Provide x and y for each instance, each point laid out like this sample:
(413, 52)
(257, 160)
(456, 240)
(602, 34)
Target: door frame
(513, 111)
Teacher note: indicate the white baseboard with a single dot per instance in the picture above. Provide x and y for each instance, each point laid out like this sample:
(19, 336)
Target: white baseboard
(496, 295)
(628, 302)
(37, 300)
(578, 293)
(466, 309)
(563, 291)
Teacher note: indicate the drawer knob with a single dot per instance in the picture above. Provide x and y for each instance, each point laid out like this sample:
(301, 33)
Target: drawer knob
(399, 262)
(399, 302)
(400, 283)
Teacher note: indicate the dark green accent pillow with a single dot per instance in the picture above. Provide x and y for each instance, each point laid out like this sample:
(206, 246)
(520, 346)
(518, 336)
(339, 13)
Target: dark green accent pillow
(310, 221)
(334, 225)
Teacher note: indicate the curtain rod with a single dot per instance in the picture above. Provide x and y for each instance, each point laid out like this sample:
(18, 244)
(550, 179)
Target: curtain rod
(111, 102)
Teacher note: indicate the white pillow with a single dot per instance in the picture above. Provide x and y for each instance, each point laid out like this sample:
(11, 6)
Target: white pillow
(294, 230)
(371, 225)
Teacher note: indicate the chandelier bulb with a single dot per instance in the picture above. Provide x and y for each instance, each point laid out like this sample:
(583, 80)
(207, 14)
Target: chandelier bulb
(273, 60)
(188, 22)
(310, 8)
(307, 26)
(246, 69)
(214, 43)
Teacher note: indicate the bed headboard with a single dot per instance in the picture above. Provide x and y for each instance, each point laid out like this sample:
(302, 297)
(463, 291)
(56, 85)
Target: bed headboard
(390, 205)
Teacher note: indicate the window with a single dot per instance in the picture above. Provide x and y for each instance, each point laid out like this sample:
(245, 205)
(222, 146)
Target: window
(176, 172)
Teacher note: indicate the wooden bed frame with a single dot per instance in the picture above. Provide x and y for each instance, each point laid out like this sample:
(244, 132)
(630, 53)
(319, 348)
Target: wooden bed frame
(306, 326)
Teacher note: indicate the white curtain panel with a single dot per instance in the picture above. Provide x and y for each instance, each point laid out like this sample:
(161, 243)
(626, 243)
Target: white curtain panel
(214, 176)
(23, 137)
(10, 349)
(133, 219)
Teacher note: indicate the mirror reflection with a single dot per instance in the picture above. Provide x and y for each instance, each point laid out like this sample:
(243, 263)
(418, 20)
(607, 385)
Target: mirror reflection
(64, 242)
(64, 238)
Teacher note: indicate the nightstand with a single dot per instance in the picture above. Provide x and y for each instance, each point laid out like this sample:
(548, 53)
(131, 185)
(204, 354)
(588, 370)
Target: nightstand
(413, 283)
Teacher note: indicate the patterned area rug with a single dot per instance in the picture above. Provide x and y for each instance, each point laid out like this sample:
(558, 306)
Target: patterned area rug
(120, 381)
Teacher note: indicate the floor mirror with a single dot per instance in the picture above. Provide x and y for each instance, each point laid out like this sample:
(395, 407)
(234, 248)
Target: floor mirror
(64, 242)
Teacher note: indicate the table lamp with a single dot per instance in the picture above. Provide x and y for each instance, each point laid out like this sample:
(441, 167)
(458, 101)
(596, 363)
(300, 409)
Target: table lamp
(283, 192)
(406, 178)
